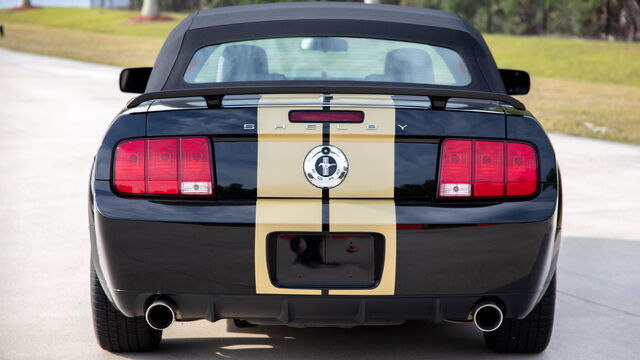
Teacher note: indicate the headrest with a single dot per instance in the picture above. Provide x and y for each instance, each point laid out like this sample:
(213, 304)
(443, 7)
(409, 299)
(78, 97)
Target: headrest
(243, 63)
(408, 65)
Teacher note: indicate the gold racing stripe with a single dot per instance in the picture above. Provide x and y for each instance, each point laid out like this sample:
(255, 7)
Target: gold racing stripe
(371, 156)
(370, 153)
(377, 216)
(282, 147)
(282, 215)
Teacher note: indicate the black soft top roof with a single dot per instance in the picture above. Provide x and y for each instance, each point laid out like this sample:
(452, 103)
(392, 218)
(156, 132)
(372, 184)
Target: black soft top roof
(328, 10)
(236, 23)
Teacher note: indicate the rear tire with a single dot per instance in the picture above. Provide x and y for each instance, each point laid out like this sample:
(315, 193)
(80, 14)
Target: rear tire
(529, 335)
(116, 332)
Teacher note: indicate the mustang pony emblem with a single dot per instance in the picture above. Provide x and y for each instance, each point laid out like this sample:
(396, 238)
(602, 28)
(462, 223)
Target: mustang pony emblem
(325, 166)
(325, 163)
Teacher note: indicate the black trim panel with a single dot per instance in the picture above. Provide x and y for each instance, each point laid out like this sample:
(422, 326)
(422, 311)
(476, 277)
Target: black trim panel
(236, 168)
(448, 123)
(228, 122)
(415, 170)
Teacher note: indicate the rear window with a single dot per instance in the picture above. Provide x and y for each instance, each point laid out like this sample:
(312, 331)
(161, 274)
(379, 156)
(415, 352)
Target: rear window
(327, 58)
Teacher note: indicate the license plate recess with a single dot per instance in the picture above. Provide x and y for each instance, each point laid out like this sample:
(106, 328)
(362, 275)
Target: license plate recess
(325, 260)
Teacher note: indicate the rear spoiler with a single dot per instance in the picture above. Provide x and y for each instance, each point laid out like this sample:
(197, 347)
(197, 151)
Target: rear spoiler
(438, 97)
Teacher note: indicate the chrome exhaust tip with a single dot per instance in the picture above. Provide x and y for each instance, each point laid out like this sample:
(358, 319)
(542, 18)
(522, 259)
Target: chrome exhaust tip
(487, 317)
(160, 314)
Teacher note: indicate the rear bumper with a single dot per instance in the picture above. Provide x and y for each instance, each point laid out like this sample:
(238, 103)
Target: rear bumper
(326, 310)
(202, 256)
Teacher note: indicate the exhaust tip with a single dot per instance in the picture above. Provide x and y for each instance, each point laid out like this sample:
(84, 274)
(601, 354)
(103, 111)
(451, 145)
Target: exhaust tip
(160, 314)
(488, 317)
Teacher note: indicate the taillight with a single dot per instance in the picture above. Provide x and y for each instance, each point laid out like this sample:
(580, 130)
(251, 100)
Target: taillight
(455, 174)
(195, 167)
(129, 167)
(164, 166)
(488, 170)
(522, 170)
(480, 168)
(332, 116)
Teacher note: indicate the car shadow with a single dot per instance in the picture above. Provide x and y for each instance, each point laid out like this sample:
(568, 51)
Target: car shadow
(414, 339)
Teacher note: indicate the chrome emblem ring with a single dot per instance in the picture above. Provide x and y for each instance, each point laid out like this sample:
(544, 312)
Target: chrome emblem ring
(325, 166)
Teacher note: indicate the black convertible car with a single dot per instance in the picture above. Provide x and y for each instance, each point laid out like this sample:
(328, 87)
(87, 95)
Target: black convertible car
(324, 164)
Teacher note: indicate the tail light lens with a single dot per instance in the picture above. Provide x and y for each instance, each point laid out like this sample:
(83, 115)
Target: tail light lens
(478, 168)
(522, 170)
(164, 166)
(162, 171)
(488, 170)
(195, 167)
(130, 167)
(455, 174)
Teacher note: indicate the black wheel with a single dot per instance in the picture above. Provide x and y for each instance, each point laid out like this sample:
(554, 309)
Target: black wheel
(116, 332)
(529, 335)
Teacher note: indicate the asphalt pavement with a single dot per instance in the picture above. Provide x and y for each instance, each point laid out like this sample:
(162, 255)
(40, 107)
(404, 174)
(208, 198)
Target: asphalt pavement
(53, 113)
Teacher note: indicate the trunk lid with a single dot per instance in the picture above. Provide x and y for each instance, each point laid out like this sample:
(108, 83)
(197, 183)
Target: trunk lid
(392, 153)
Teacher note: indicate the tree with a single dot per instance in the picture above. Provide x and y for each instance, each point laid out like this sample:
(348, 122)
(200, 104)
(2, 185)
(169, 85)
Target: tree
(150, 8)
(632, 12)
(607, 19)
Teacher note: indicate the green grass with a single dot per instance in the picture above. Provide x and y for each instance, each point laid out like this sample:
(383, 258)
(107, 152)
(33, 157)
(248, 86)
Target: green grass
(572, 59)
(602, 111)
(580, 87)
(119, 50)
(115, 22)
